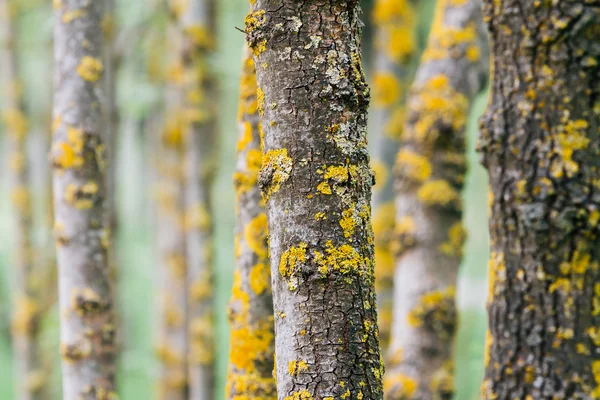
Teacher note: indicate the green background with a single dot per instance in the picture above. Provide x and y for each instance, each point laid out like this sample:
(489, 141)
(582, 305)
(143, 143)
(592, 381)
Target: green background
(135, 248)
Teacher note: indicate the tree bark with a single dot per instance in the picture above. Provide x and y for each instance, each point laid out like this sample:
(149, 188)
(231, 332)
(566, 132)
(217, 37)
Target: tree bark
(251, 307)
(173, 347)
(395, 47)
(539, 142)
(85, 293)
(30, 379)
(197, 25)
(316, 182)
(430, 169)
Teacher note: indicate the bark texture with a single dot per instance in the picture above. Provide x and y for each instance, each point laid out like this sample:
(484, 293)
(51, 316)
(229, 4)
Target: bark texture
(196, 22)
(430, 170)
(29, 377)
(173, 346)
(395, 47)
(251, 307)
(316, 181)
(539, 142)
(85, 293)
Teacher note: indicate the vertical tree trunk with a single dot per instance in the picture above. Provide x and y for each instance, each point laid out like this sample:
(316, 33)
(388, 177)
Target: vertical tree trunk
(430, 169)
(85, 293)
(26, 309)
(251, 306)
(395, 46)
(196, 21)
(316, 182)
(539, 142)
(173, 348)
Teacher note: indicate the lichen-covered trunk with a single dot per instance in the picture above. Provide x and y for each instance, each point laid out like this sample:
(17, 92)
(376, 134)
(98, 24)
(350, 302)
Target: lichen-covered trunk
(539, 142)
(252, 348)
(29, 377)
(395, 47)
(87, 330)
(316, 181)
(199, 129)
(173, 347)
(430, 170)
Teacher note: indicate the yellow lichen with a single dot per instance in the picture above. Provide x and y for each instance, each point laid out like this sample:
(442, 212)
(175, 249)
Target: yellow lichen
(259, 278)
(296, 367)
(438, 193)
(386, 89)
(278, 166)
(414, 166)
(255, 235)
(456, 238)
(90, 68)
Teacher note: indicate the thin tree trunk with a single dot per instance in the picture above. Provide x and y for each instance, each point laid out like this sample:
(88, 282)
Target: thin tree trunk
(251, 307)
(395, 47)
(30, 378)
(430, 170)
(85, 292)
(173, 342)
(539, 142)
(316, 182)
(196, 22)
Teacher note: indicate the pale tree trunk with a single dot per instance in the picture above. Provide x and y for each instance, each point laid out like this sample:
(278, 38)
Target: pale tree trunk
(316, 182)
(29, 377)
(173, 338)
(85, 292)
(539, 142)
(395, 47)
(251, 306)
(199, 129)
(430, 172)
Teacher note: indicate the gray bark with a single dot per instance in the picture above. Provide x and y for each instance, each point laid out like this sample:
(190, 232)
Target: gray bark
(395, 49)
(430, 170)
(316, 182)
(252, 348)
(199, 112)
(173, 346)
(539, 142)
(79, 177)
(27, 307)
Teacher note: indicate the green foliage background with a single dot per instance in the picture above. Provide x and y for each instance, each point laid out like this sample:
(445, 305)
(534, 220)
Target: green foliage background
(137, 288)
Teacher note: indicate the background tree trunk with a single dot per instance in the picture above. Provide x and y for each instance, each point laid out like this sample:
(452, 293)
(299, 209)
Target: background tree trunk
(30, 378)
(199, 114)
(173, 348)
(395, 47)
(251, 307)
(430, 173)
(539, 142)
(316, 182)
(85, 293)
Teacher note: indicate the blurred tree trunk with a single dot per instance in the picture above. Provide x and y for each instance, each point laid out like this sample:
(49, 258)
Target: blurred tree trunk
(173, 348)
(251, 306)
(85, 292)
(30, 379)
(539, 142)
(395, 47)
(430, 171)
(199, 113)
(316, 182)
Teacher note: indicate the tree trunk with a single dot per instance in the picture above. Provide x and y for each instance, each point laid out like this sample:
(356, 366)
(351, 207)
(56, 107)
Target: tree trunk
(85, 292)
(395, 47)
(539, 142)
(251, 306)
(30, 379)
(173, 348)
(430, 170)
(196, 21)
(316, 182)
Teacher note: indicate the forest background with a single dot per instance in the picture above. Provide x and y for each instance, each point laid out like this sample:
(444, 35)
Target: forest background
(137, 98)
